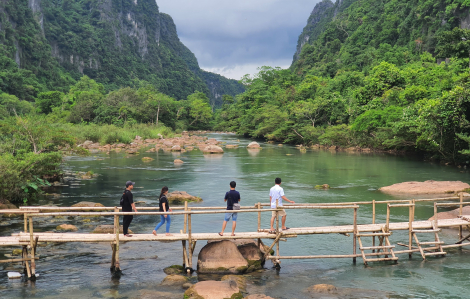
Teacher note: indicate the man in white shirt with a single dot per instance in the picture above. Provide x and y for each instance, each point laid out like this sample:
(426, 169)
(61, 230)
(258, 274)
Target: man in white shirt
(276, 194)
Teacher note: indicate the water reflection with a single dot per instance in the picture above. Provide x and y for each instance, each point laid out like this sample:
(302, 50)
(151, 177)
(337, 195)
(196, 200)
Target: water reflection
(253, 151)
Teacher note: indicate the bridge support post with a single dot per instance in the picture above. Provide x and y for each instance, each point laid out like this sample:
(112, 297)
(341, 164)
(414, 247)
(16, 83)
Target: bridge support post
(115, 266)
(33, 247)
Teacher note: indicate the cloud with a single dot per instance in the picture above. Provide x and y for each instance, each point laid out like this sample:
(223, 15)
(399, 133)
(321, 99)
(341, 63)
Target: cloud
(230, 37)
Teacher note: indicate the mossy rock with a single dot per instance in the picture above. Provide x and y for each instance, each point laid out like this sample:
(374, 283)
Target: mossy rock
(174, 280)
(240, 280)
(17, 251)
(67, 227)
(322, 187)
(174, 269)
(147, 159)
(255, 265)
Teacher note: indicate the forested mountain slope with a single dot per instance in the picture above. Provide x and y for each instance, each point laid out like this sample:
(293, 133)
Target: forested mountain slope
(357, 34)
(115, 42)
(368, 73)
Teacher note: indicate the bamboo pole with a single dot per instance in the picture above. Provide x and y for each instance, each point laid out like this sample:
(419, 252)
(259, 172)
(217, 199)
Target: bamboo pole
(387, 223)
(259, 222)
(259, 216)
(17, 260)
(183, 242)
(460, 213)
(33, 262)
(26, 263)
(190, 258)
(272, 245)
(117, 267)
(25, 222)
(410, 229)
(435, 214)
(373, 221)
(355, 235)
(35, 214)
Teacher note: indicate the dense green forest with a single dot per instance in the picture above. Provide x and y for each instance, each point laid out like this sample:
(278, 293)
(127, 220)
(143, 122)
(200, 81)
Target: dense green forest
(34, 135)
(367, 75)
(48, 45)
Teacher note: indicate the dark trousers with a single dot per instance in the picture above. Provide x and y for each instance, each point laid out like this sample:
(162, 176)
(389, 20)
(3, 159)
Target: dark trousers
(126, 222)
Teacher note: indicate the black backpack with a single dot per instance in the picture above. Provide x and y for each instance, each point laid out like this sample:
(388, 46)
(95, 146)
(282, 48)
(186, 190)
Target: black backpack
(121, 202)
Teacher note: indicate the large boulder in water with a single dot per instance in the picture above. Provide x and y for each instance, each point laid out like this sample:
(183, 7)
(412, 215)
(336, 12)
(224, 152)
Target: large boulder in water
(427, 187)
(212, 149)
(221, 257)
(182, 196)
(87, 204)
(212, 289)
(254, 145)
(258, 296)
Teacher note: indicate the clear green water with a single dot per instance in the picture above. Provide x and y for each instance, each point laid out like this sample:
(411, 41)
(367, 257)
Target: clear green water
(82, 270)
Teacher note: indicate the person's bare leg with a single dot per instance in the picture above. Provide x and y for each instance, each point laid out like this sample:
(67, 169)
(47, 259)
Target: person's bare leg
(223, 228)
(272, 223)
(284, 222)
(234, 225)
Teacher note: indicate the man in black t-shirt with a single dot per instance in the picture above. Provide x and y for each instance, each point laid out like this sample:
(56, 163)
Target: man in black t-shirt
(127, 206)
(231, 198)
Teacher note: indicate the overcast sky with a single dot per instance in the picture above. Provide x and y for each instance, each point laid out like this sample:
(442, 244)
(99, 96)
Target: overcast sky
(235, 37)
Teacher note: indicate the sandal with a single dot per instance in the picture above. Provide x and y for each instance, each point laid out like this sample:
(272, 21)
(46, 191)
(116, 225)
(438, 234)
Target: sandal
(127, 235)
(221, 234)
(272, 232)
(233, 235)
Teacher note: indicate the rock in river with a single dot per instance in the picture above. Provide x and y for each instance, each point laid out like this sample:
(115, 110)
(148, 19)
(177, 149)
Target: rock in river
(67, 227)
(221, 257)
(212, 289)
(254, 144)
(213, 149)
(181, 196)
(107, 229)
(427, 187)
(174, 280)
(87, 204)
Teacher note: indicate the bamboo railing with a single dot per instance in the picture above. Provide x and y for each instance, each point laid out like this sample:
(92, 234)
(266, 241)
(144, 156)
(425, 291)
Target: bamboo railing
(187, 235)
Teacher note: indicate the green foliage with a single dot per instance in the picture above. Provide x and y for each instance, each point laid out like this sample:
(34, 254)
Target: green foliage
(46, 101)
(21, 175)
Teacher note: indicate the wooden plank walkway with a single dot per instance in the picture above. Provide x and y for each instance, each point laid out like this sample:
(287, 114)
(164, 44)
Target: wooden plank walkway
(24, 238)
(29, 239)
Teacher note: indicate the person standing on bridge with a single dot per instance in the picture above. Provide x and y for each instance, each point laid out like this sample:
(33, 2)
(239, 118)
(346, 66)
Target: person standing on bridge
(276, 195)
(164, 207)
(127, 206)
(232, 198)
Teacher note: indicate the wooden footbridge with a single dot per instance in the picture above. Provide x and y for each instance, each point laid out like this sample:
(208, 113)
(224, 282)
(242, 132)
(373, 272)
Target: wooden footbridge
(377, 234)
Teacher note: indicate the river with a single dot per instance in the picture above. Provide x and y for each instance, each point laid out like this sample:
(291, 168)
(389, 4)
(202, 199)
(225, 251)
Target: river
(82, 270)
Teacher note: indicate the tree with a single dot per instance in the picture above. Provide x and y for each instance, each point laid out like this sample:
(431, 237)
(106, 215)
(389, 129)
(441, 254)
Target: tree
(48, 100)
(200, 110)
(455, 43)
(309, 109)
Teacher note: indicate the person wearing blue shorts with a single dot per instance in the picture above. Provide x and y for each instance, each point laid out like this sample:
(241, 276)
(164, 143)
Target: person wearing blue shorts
(231, 197)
